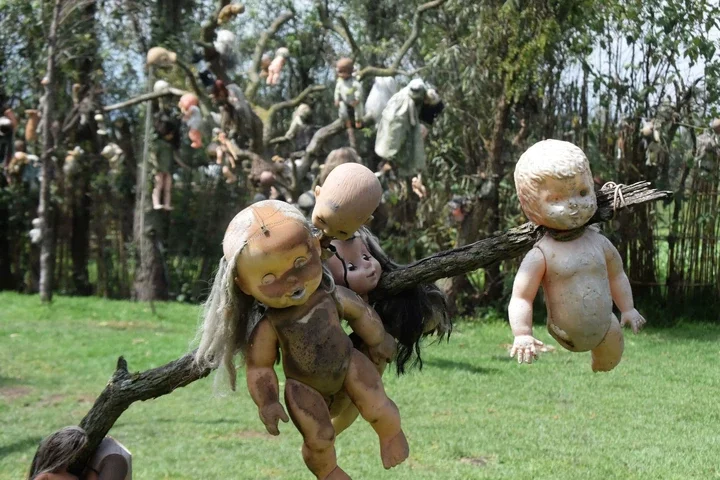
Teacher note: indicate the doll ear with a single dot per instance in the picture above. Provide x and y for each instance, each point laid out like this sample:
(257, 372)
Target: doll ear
(369, 220)
(241, 286)
(317, 191)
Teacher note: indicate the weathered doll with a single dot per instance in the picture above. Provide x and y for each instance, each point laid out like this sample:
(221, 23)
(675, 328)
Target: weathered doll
(348, 97)
(276, 66)
(580, 270)
(57, 452)
(346, 201)
(33, 120)
(161, 57)
(272, 262)
(407, 316)
(165, 151)
(299, 118)
(192, 117)
(224, 156)
(380, 94)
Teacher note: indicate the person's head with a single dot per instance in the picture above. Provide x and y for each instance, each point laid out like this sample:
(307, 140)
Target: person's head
(276, 256)
(555, 185)
(344, 67)
(346, 200)
(353, 266)
(335, 158)
(58, 451)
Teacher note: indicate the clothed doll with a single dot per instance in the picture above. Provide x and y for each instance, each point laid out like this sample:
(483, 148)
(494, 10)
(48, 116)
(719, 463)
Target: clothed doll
(165, 151)
(238, 120)
(346, 201)
(276, 66)
(299, 117)
(380, 94)
(348, 97)
(272, 262)
(192, 117)
(580, 270)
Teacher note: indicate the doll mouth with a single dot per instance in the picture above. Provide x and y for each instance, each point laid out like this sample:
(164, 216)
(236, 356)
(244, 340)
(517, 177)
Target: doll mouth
(298, 294)
(372, 275)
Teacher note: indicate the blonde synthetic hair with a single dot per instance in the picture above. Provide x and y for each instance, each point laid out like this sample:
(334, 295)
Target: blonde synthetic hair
(546, 159)
(229, 315)
(57, 451)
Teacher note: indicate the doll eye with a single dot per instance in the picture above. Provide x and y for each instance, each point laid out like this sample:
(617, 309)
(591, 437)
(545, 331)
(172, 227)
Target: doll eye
(300, 262)
(351, 267)
(366, 256)
(342, 233)
(268, 279)
(321, 220)
(583, 192)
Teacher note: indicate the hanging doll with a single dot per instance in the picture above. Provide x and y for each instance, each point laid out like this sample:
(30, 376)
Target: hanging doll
(301, 114)
(358, 263)
(224, 156)
(399, 135)
(346, 201)
(33, 120)
(580, 270)
(272, 262)
(113, 154)
(348, 97)
(238, 120)
(161, 57)
(165, 150)
(192, 117)
(276, 66)
(380, 94)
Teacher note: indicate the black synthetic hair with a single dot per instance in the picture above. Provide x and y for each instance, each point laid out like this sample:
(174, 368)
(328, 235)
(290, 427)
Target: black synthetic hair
(166, 124)
(411, 314)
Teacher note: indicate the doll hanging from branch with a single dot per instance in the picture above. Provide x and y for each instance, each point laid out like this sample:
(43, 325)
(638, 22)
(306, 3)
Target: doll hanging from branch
(165, 152)
(580, 270)
(349, 98)
(192, 117)
(272, 263)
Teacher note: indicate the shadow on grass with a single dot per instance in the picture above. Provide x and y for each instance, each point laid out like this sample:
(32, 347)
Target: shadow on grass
(455, 365)
(19, 446)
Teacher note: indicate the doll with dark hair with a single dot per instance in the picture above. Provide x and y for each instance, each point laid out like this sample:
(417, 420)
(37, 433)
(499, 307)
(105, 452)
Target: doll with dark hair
(237, 119)
(166, 147)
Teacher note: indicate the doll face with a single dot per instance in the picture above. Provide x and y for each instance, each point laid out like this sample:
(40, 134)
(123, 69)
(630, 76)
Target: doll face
(363, 270)
(283, 269)
(335, 223)
(344, 74)
(567, 203)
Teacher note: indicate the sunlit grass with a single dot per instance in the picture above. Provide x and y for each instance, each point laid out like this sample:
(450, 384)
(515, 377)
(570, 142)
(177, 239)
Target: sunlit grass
(471, 413)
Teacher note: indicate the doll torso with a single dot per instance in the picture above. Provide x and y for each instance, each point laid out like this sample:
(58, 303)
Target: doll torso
(577, 290)
(348, 89)
(315, 349)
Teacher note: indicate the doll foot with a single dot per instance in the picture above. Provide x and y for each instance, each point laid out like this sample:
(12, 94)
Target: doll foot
(157, 207)
(394, 451)
(168, 208)
(337, 474)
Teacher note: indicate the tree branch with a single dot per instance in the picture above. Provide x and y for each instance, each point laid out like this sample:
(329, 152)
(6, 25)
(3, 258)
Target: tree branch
(341, 28)
(254, 71)
(267, 125)
(510, 244)
(145, 97)
(208, 35)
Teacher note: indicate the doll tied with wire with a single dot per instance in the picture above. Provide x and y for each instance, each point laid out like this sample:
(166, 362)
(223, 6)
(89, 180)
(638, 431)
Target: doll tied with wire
(272, 265)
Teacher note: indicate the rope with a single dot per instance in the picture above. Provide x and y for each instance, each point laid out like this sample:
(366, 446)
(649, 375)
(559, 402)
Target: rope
(618, 199)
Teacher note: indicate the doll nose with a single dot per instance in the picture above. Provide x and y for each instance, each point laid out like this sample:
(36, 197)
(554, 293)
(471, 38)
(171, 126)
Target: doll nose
(292, 279)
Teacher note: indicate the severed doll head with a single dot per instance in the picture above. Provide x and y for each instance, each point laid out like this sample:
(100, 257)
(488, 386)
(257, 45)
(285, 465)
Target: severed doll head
(346, 200)
(353, 266)
(555, 185)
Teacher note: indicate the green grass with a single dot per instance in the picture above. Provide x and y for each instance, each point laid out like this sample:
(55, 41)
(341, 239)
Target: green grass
(470, 414)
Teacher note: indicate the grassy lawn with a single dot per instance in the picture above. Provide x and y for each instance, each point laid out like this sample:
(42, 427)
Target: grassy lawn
(470, 414)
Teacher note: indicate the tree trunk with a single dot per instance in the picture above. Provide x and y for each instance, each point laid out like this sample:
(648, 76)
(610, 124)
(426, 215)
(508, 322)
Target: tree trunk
(46, 208)
(80, 239)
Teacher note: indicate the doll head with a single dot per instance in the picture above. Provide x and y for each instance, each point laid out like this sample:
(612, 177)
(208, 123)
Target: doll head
(715, 125)
(188, 100)
(353, 266)
(282, 52)
(555, 185)
(335, 158)
(416, 89)
(276, 255)
(160, 85)
(346, 200)
(344, 67)
(58, 451)
(161, 57)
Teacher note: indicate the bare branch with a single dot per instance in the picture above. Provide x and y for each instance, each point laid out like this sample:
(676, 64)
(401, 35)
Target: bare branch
(208, 35)
(254, 72)
(145, 97)
(341, 28)
(267, 126)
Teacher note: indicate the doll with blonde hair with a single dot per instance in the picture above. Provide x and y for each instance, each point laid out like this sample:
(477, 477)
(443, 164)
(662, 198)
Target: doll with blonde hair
(580, 270)
(271, 269)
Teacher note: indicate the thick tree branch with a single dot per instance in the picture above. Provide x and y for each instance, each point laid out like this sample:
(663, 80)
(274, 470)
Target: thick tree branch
(208, 36)
(254, 71)
(267, 125)
(125, 388)
(510, 244)
(145, 97)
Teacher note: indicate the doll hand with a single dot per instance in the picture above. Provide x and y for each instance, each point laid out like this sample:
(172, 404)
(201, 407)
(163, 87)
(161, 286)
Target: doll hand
(524, 347)
(633, 318)
(270, 415)
(384, 352)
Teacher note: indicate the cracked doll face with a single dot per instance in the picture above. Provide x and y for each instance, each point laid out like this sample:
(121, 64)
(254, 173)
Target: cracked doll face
(280, 269)
(566, 203)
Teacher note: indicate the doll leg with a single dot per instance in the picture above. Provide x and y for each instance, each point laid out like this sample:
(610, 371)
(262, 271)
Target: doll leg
(311, 416)
(607, 355)
(157, 191)
(349, 414)
(363, 384)
(168, 191)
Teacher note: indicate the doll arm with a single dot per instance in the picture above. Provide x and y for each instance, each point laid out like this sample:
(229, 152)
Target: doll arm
(336, 96)
(620, 288)
(365, 321)
(261, 378)
(520, 310)
(359, 94)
